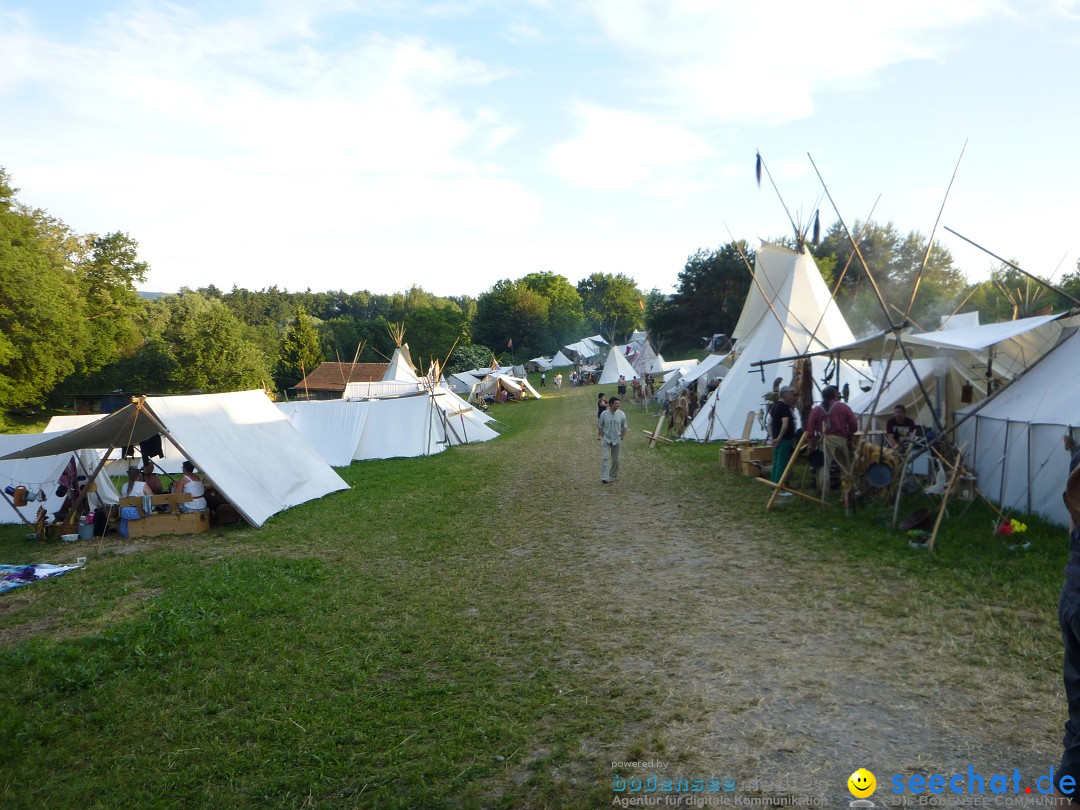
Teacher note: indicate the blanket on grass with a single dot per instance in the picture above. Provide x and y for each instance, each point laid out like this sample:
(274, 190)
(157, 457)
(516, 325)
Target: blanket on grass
(12, 576)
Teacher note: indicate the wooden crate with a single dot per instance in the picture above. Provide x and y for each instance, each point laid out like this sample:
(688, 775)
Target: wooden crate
(762, 454)
(729, 458)
(178, 523)
(753, 469)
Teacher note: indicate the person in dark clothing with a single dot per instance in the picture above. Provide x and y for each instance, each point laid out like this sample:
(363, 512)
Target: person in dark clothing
(782, 433)
(899, 429)
(601, 404)
(1069, 618)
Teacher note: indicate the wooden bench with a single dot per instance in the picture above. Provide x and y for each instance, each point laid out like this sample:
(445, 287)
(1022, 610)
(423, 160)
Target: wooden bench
(172, 521)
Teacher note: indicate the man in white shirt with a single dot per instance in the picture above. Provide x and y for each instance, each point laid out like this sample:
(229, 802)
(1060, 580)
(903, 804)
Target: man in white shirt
(611, 429)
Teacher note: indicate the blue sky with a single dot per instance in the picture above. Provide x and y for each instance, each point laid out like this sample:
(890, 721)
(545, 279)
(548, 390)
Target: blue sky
(379, 144)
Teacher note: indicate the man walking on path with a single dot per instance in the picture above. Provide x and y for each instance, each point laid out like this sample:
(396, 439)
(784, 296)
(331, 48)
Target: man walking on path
(611, 428)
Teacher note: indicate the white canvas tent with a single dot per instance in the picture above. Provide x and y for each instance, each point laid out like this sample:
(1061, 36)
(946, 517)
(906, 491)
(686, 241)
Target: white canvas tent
(788, 312)
(672, 386)
(665, 366)
(585, 349)
(617, 365)
(388, 420)
(943, 378)
(953, 363)
(490, 385)
(1015, 439)
(462, 383)
(711, 368)
(560, 360)
(42, 473)
(242, 443)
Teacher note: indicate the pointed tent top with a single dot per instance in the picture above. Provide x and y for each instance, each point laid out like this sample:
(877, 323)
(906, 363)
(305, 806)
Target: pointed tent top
(401, 366)
(616, 365)
(397, 333)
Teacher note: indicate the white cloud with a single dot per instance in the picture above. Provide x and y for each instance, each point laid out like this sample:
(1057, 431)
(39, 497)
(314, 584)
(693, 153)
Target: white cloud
(764, 62)
(622, 150)
(233, 143)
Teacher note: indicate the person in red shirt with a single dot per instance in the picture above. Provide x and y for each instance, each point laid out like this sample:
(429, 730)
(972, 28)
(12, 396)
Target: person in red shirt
(831, 427)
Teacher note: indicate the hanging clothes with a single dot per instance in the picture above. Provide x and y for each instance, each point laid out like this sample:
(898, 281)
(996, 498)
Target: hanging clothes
(151, 448)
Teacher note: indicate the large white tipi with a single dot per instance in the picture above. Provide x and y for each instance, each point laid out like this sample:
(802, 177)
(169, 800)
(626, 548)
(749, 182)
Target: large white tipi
(788, 312)
(616, 365)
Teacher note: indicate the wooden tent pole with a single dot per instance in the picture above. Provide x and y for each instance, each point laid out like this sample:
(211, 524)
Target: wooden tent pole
(900, 485)
(768, 483)
(933, 231)
(881, 299)
(945, 496)
(1046, 284)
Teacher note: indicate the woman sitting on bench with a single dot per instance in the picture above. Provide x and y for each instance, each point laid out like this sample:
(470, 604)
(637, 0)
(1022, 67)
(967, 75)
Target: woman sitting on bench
(191, 482)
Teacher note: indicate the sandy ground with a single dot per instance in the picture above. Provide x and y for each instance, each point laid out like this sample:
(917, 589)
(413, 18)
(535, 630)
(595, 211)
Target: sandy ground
(750, 659)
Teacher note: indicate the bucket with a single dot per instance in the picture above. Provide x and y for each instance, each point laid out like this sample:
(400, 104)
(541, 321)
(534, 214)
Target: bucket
(86, 531)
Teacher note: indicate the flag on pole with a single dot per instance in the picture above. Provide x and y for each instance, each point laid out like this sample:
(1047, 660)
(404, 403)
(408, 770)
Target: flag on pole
(510, 344)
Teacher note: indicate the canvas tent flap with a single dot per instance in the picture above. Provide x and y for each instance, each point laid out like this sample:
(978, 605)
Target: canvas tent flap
(1009, 348)
(170, 463)
(980, 338)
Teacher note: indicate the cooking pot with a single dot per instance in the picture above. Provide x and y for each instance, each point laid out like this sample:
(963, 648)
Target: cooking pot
(879, 475)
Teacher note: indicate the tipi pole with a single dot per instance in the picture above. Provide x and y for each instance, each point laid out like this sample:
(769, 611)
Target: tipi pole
(1046, 284)
(881, 299)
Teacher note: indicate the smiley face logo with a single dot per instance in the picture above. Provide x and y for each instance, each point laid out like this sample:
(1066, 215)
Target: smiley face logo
(862, 783)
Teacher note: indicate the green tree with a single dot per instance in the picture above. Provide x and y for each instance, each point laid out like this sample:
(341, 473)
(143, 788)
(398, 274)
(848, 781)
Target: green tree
(107, 276)
(301, 351)
(613, 304)
(433, 331)
(565, 311)
(710, 295)
(511, 312)
(212, 350)
(40, 311)
(467, 357)
(894, 260)
(1009, 294)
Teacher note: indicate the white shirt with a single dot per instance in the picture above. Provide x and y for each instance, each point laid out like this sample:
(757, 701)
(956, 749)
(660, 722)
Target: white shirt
(613, 425)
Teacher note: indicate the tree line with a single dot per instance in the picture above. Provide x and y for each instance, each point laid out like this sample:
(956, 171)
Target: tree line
(72, 321)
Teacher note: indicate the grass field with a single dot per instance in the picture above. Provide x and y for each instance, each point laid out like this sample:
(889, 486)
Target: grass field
(489, 627)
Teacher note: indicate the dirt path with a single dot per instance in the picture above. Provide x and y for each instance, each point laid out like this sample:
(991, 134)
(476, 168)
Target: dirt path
(748, 657)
